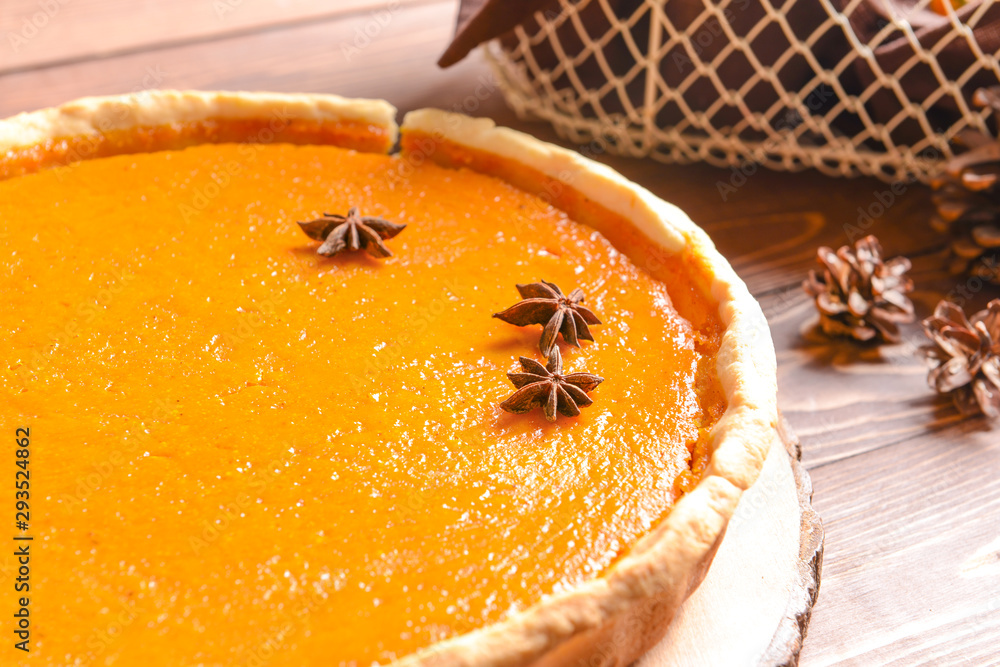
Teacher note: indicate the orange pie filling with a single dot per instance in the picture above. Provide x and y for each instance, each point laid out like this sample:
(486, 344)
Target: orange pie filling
(244, 451)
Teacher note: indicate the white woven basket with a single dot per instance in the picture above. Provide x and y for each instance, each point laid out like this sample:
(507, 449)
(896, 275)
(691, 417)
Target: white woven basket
(589, 92)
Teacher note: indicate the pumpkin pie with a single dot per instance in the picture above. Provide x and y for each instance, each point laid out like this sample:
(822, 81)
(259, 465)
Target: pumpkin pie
(244, 451)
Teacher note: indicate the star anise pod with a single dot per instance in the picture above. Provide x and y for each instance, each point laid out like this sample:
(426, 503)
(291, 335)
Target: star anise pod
(859, 294)
(544, 303)
(547, 388)
(966, 356)
(351, 232)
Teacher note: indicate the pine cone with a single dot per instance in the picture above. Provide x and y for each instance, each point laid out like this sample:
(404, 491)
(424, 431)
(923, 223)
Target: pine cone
(859, 294)
(967, 199)
(966, 356)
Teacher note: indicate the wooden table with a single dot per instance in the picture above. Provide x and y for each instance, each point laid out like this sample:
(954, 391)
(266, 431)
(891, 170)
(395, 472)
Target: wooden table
(909, 491)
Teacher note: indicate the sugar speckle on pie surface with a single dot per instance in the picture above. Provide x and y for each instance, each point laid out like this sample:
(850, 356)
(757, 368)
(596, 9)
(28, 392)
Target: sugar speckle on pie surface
(240, 444)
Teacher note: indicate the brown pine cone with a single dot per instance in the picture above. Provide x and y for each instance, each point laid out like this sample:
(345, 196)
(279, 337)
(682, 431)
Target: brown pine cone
(966, 356)
(860, 295)
(967, 199)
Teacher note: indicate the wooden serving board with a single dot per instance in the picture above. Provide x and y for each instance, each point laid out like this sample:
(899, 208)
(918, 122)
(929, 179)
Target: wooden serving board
(754, 605)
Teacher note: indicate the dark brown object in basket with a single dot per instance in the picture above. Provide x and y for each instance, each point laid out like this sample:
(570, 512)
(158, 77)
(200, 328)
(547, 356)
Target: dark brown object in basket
(684, 89)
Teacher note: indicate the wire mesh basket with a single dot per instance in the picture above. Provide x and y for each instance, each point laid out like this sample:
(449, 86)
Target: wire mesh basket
(849, 87)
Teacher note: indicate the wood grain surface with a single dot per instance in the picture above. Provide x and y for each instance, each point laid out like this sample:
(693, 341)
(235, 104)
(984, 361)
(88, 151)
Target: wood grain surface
(909, 492)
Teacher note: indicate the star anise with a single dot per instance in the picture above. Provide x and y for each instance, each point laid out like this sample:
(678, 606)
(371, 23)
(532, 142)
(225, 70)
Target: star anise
(547, 388)
(351, 232)
(966, 356)
(544, 303)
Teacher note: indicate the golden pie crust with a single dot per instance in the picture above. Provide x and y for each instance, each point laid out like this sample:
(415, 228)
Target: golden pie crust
(612, 619)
